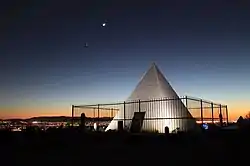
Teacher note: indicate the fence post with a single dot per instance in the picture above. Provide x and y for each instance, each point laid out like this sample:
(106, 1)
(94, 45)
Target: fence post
(212, 106)
(201, 113)
(139, 105)
(186, 98)
(111, 113)
(124, 114)
(227, 114)
(83, 119)
(186, 102)
(98, 115)
(72, 118)
(221, 117)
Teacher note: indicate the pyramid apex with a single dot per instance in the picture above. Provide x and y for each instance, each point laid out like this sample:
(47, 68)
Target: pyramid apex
(153, 67)
(153, 64)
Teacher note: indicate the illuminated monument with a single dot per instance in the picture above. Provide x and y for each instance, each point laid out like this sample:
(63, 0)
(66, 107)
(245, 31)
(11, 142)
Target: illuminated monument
(170, 112)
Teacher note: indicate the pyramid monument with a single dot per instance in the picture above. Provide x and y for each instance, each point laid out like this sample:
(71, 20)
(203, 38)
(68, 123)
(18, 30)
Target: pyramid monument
(158, 114)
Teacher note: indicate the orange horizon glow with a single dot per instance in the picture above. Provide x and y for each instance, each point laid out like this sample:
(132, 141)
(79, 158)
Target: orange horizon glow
(29, 112)
(235, 110)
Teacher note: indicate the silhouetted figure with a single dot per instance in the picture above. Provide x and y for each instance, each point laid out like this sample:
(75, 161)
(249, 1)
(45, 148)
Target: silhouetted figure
(221, 119)
(166, 131)
(83, 117)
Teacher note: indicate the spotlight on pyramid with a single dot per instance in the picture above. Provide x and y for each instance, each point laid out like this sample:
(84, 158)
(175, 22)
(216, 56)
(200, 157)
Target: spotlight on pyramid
(169, 111)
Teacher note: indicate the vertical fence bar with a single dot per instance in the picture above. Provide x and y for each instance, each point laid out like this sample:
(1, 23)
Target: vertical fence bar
(124, 114)
(221, 117)
(72, 118)
(220, 108)
(139, 102)
(201, 113)
(98, 115)
(227, 114)
(93, 115)
(186, 98)
(212, 107)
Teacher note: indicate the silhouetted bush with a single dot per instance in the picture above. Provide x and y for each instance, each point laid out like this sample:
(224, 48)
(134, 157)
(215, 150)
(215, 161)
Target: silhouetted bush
(78, 146)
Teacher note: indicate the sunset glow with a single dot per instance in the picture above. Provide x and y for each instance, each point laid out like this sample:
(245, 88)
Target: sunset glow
(235, 110)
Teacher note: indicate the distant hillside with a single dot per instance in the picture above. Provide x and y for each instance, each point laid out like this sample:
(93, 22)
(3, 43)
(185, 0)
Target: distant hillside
(57, 119)
(50, 119)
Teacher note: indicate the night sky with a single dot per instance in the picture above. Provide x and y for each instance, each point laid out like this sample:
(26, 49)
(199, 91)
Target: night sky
(202, 47)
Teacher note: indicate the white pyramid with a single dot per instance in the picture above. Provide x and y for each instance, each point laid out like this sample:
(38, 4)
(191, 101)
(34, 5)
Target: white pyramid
(159, 114)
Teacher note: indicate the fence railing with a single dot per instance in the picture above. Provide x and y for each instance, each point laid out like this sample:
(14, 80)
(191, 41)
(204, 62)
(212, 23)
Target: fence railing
(102, 114)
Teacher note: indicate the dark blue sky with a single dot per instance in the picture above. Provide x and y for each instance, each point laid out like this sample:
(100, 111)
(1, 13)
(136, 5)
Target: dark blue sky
(202, 47)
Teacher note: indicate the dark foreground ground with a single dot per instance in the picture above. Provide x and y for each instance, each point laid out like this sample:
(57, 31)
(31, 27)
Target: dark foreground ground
(72, 147)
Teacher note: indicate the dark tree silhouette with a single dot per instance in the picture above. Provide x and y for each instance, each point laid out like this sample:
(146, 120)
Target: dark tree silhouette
(248, 115)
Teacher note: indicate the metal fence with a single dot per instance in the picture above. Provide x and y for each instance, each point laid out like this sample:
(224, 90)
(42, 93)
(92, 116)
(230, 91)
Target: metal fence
(102, 114)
